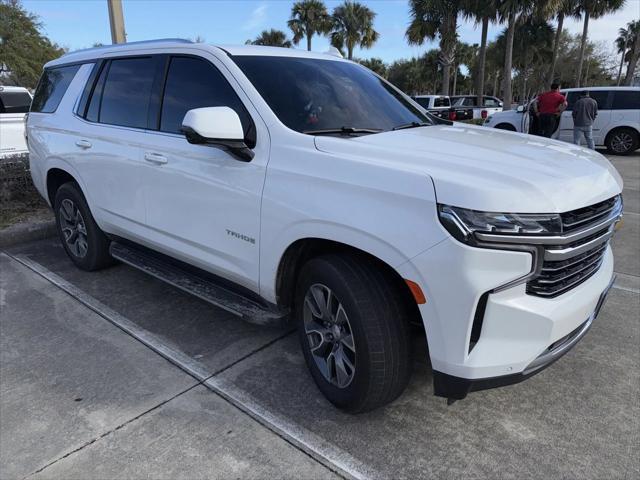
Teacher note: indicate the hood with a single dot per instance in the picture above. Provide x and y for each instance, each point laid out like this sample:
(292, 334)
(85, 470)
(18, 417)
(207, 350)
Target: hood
(488, 169)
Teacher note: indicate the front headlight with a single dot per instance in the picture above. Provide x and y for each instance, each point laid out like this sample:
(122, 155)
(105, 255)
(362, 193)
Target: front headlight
(462, 223)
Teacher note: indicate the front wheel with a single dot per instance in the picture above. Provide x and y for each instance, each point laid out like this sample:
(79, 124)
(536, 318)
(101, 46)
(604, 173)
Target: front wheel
(622, 141)
(354, 332)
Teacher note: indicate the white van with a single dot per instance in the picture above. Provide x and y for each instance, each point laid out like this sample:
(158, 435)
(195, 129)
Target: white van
(616, 127)
(285, 185)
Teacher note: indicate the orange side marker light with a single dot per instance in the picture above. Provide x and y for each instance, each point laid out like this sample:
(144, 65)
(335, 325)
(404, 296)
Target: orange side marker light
(416, 291)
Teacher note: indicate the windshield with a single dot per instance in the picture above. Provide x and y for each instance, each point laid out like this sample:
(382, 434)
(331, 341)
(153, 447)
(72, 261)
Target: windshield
(311, 95)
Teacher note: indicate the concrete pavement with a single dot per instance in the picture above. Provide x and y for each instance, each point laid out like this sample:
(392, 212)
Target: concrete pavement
(82, 399)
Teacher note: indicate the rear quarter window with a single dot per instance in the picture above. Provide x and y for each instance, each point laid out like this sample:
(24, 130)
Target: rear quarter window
(52, 87)
(626, 100)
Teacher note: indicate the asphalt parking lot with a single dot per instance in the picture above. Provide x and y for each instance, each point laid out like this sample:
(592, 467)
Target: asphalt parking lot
(117, 375)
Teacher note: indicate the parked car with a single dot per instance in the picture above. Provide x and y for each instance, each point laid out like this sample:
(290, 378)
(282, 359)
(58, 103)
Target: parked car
(617, 125)
(438, 105)
(490, 105)
(285, 185)
(14, 105)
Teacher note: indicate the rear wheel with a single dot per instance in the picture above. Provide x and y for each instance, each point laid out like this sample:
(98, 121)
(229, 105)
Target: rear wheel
(354, 332)
(85, 244)
(622, 141)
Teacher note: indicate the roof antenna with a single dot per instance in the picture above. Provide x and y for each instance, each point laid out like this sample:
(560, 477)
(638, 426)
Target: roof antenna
(333, 51)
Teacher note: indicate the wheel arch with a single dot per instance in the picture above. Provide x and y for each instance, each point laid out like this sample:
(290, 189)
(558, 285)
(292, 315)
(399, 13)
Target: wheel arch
(302, 250)
(506, 126)
(57, 173)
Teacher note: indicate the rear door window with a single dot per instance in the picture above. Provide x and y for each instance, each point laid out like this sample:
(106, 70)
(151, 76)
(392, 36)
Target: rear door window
(196, 83)
(423, 102)
(601, 97)
(126, 93)
(626, 100)
(52, 87)
(14, 102)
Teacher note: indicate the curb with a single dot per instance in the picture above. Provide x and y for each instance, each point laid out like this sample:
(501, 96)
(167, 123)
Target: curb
(27, 232)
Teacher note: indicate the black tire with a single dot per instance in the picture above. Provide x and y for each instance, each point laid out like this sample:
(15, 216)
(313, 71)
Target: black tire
(91, 250)
(505, 126)
(379, 322)
(622, 141)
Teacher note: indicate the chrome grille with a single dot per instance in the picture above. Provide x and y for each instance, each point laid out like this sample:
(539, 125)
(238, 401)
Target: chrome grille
(586, 235)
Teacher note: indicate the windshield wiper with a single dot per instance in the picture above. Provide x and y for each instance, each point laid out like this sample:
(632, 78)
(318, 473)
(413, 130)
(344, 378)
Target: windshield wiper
(411, 125)
(342, 131)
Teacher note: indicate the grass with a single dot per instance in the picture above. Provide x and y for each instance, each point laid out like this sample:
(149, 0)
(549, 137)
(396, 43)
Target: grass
(19, 199)
(24, 206)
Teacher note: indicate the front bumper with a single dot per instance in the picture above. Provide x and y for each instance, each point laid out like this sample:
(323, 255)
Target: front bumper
(457, 388)
(517, 328)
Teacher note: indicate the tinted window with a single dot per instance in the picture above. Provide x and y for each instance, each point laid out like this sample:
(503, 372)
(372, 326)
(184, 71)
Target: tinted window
(441, 102)
(127, 91)
(599, 96)
(195, 83)
(626, 100)
(424, 102)
(313, 94)
(491, 102)
(14, 102)
(52, 87)
(94, 104)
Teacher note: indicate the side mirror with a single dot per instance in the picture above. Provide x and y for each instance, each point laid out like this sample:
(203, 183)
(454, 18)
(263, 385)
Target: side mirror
(520, 109)
(217, 126)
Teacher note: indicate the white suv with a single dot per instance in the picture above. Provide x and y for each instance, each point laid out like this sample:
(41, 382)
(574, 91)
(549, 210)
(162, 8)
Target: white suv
(616, 127)
(286, 185)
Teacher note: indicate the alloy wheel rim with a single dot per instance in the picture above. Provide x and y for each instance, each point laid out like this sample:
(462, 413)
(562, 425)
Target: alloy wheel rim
(621, 142)
(73, 228)
(330, 336)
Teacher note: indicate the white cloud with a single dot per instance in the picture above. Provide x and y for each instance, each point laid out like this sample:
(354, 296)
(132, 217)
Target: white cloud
(257, 19)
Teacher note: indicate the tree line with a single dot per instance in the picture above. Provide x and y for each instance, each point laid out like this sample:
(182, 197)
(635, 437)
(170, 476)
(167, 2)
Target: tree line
(529, 45)
(532, 50)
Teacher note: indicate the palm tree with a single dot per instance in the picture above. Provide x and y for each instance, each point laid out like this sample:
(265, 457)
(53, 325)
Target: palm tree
(568, 8)
(309, 17)
(436, 18)
(374, 64)
(513, 12)
(631, 56)
(484, 12)
(622, 42)
(465, 55)
(353, 25)
(592, 9)
(271, 38)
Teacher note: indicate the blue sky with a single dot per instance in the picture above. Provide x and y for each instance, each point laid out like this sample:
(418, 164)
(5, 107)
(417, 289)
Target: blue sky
(80, 23)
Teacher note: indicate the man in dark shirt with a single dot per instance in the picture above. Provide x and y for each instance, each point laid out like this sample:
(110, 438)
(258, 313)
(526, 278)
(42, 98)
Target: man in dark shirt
(548, 108)
(584, 113)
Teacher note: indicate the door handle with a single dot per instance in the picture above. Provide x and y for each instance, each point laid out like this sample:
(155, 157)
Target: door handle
(83, 143)
(156, 158)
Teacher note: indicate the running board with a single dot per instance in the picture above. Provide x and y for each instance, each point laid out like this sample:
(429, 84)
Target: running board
(198, 283)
